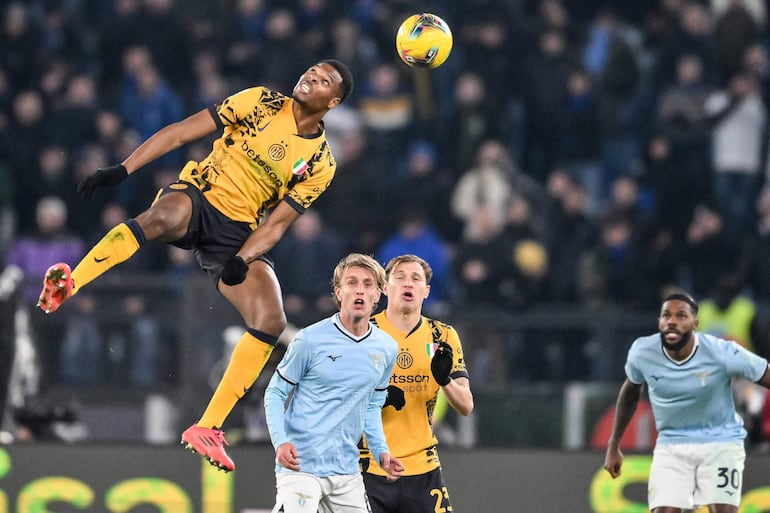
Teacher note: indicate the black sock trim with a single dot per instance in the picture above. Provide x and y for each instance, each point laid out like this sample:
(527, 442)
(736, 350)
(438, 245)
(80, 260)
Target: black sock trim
(264, 337)
(137, 231)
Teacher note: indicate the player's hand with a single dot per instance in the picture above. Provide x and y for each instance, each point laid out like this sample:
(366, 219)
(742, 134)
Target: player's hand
(395, 398)
(441, 364)
(392, 466)
(234, 271)
(286, 456)
(613, 461)
(104, 177)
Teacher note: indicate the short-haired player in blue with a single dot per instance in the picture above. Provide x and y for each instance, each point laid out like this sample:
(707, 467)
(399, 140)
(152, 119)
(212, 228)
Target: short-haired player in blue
(699, 455)
(335, 375)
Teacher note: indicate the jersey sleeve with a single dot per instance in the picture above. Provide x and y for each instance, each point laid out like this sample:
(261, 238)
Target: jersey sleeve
(238, 106)
(320, 172)
(633, 372)
(373, 429)
(459, 368)
(276, 394)
(293, 364)
(250, 105)
(739, 361)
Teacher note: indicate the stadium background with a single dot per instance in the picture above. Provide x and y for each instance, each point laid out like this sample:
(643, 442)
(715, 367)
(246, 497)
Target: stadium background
(561, 171)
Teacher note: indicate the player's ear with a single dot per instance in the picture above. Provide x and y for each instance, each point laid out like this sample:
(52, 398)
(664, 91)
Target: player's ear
(334, 102)
(695, 323)
(427, 291)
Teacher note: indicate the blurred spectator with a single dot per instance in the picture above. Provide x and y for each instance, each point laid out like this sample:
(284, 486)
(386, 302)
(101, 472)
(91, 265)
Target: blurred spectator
(161, 27)
(483, 33)
(314, 20)
(469, 121)
(21, 142)
(20, 40)
(679, 183)
(60, 36)
(278, 60)
(386, 110)
(735, 29)
(73, 121)
(545, 97)
(728, 313)
(757, 63)
(10, 279)
(610, 272)
(52, 176)
(577, 146)
(485, 187)
(242, 32)
(210, 85)
(613, 64)
(739, 116)
(358, 186)
(691, 35)
(757, 254)
(680, 112)
(305, 255)
(708, 251)
(109, 134)
(569, 233)
(421, 181)
(50, 241)
(353, 46)
(525, 269)
(414, 235)
(627, 200)
(116, 33)
(147, 103)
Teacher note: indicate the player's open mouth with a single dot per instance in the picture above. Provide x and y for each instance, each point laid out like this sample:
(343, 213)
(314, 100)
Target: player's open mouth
(359, 302)
(304, 87)
(408, 295)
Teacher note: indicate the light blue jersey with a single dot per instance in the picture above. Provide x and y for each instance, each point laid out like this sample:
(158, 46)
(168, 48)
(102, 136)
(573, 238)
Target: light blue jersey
(692, 400)
(339, 383)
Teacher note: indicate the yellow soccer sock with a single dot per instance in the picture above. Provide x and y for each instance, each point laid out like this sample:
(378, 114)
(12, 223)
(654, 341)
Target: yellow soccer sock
(117, 246)
(247, 361)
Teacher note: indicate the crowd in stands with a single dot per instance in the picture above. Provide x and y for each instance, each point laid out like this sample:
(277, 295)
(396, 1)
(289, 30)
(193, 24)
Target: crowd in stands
(583, 153)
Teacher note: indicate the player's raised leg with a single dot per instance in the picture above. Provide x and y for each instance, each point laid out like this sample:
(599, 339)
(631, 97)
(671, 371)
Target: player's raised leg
(263, 309)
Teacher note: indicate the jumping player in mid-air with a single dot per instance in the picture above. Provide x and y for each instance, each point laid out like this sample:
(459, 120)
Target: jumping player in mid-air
(272, 156)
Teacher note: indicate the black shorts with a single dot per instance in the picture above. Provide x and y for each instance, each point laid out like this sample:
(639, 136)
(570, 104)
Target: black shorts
(212, 236)
(408, 494)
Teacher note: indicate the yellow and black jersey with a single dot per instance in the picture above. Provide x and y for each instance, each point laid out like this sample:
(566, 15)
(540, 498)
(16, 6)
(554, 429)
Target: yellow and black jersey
(408, 427)
(259, 159)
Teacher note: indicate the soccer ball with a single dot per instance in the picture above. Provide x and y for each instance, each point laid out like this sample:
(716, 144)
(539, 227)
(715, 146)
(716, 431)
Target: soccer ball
(424, 41)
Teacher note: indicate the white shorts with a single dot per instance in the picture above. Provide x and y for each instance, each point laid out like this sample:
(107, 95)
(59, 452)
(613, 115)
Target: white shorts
(688, 476)
(298, 492)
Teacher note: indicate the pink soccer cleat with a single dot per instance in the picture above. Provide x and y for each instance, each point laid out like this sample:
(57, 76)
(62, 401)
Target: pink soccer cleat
(209, 443)
(57, 287)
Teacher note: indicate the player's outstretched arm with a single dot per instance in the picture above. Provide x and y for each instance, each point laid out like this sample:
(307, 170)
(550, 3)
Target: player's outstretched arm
(259, 242)
(163, 141)
(628, 399)
(170, 138)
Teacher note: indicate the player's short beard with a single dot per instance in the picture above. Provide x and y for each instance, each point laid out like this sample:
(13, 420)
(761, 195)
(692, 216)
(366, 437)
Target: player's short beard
(676, 346)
